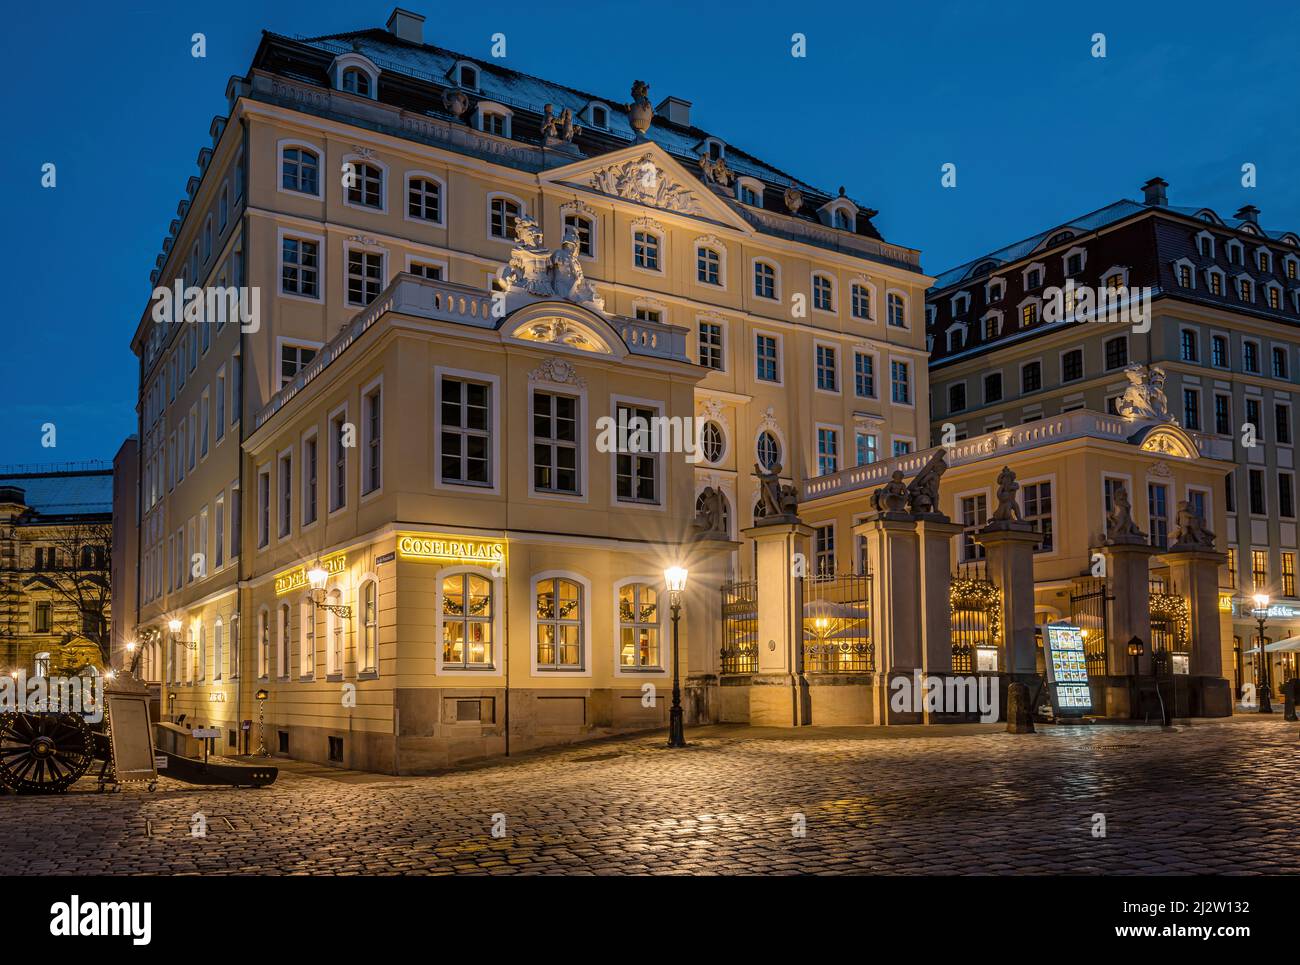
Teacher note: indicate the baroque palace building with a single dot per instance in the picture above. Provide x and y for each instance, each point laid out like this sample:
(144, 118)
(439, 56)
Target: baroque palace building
(456, 270)
(1224, 305)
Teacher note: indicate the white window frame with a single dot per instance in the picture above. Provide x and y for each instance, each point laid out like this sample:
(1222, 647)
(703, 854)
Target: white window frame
(717, 245)
(661, 247)
(485, 107)
(907, 321)
(375, 384)
(385, 177)
(820, 343)
(583, 443)
(873, 314)
(369, 249)
(442, 199)
(812, 292)
(776, 279)
(494, 449)
(296, 142)
(498, 583)
(780, 356)
(487, 215)
(584, 636)
(664, 627)
(661, 481)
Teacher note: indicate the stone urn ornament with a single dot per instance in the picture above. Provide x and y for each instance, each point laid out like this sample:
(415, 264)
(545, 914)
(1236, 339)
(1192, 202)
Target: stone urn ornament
(456, 101)
(640, 112)
(793, 199)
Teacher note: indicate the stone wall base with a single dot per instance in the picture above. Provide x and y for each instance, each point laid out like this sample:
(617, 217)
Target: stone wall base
(835, 699)
(733, 699)
(1180, 695)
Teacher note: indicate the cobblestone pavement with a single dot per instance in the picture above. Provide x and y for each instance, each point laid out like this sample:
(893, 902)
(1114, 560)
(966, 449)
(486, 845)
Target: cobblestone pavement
(1213, 797)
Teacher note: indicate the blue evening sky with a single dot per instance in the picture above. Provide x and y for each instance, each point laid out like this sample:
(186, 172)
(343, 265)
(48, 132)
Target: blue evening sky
(1040, 131)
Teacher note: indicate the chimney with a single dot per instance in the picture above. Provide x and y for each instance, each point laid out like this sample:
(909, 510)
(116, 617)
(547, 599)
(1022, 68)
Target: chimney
(406, 25)
(676, 110)
(1153, 192)
(1248, 213)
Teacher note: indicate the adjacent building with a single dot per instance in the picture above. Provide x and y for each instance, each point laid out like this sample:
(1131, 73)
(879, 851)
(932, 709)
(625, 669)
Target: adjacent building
(446, 276)
(1224, 305)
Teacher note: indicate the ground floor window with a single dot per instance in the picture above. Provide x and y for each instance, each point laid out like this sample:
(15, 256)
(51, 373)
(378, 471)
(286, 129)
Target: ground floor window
(638, 627)
(466, 622)
(559, 624)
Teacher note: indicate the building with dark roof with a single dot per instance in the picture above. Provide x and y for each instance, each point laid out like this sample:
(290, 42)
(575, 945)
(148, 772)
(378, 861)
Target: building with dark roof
(1212, 302)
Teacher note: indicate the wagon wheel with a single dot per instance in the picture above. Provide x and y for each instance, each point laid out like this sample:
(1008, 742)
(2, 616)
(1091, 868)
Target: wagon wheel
(43, 753)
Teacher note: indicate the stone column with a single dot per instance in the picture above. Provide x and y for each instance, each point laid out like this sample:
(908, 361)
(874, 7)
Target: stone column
(1128, 566)
(935, 535)
(1009, 561)
(778, 693)
(1194, 573)
(893, 559)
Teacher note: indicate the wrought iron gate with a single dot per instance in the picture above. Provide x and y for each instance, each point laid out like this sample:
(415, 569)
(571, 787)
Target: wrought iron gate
(740, 627)
(1090, 611)
(975, 605)
(837, 625)
(1169, 630)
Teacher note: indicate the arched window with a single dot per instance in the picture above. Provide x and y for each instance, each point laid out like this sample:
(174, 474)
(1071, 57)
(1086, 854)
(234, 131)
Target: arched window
(645, 250)
(712, 442)
(307, 639)
(218, 649)
(897, 309)
(842, 219)
(234, 645)
(200, 668)
(356, 81)
(764, 280)
(768, 450)
(282, 647)
(823, 293)
(708, 266)
(368, 659)
(424, 199)
(263, 642)
(467, 622)
(300, 170)
(559, 608)
(468, 77)
(638, 627)
(502, 214)
(333, 635)
(366, 185)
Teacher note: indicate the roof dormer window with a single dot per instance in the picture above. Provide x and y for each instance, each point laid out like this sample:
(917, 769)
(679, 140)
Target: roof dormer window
(493, 118)
(467, 76)
(1235, 250)
(356, 81)
(749, 191)
(356, 74)
(598, 116)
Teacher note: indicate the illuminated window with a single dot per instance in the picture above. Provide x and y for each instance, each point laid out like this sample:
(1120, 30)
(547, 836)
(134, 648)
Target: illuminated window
(1036, 499)
(824, 551)
(368, 658)
(559, 624)
(1259, 570)
(467, 622)
(306, 639)
(638, 627)
(974, 514)
(1288, 574)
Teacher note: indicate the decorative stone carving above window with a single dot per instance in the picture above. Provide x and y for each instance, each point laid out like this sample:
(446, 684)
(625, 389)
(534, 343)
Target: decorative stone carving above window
(558, 371)
(644, 182)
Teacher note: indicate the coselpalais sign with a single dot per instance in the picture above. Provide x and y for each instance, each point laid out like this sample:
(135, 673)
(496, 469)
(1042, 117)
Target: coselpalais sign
(460, 548)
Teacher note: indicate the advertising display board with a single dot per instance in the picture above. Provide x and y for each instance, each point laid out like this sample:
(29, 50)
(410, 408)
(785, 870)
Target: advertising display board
(1067, 670)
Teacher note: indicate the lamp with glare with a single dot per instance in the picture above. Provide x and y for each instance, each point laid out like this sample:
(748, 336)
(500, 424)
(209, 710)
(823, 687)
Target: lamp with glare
(675, 580)
(317, 575)
(174, 625)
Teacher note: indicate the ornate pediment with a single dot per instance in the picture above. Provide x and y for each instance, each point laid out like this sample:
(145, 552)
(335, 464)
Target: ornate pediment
(642, 180)
(561, 331)
(1170, 441)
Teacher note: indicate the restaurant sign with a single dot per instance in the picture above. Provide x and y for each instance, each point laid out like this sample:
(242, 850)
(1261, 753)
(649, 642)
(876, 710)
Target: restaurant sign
(296, 579)
(464, 549)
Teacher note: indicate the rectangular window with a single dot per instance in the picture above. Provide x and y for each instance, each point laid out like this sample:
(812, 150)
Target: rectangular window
(645, 250)
(205, 407)
(372, 407)
(365, 185)
(1286, 495)
(1037, 502)
(765, 357)
(957, 397)
(860, 301)
(901, 447)
(1219, 351)
(824, 551)
(867, 445)
(293, 359)
(365, 276)
(828, 379)
(236, 524)
(43, 618)
(1255, 481)
(426, 270)
(1288, 574)
(1031, 377)
(1254, 418)
(1282, 423)
(219, 531)
(1280, 367)
(1259, 570)
(1222, 414)
(582, 228)
(828, 451)
(300, 267)
(764, 280)
(1117, 353)
(286, 494)
(310, 487)
(1189, 347)
(1232, 567)
(220, 418)
(864, 375)
(466, 432)
(708, 266)
(900, 382)
(1192, 409)
(555, 443)
(710, 344)
(1072, 365)
(338, 462)
(993, 387)
(974, 514)
(1158, 509)
(636, 469)
(1250, 357)
(264, 507)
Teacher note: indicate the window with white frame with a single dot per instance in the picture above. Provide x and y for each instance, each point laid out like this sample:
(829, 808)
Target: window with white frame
(465, 432)
(300, 170)
(824, 550)
(860, 301)
(365, 276)
(424, 199)
(425, 269)
(372, 440)
(828, 450)
(1036, 508)
(467, 622)
(560, 615)
(974, 510)
(283, 645)
(286, 493)
(356, 81)
(368, 655)
(864, 375)
(263, 642)
(495, 122)
(710, 345)
(218, 649)
(900, 382)
(867, 446)
(263, 507)
(764, 280)
(823, 293)
(294, 357)
(636, 466)
(896, 309)
(333, 635)
(306, 638)
(310, 484)
(645, 250)
(585, 229)
(638, 627)
(502, 215)
(365, 184)
(555, 443)
(338, 486)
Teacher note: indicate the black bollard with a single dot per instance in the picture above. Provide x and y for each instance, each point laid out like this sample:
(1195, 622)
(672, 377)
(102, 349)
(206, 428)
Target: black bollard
(1020, 713)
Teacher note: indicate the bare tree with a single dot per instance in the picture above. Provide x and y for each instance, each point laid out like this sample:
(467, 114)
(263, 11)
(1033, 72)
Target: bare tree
(81, 582)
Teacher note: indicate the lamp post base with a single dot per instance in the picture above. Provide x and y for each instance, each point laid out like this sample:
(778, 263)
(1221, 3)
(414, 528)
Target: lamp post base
(676, 728)
(1265, 700)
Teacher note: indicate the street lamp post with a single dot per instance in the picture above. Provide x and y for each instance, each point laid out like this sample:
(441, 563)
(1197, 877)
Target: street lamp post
(675, 578)
(1135, 650)
(262, 694)
(1261, 618)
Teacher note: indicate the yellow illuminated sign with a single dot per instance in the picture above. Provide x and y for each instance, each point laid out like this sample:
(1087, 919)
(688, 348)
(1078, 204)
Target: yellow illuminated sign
(463, 549)
(1225, 602)
(296, 579)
